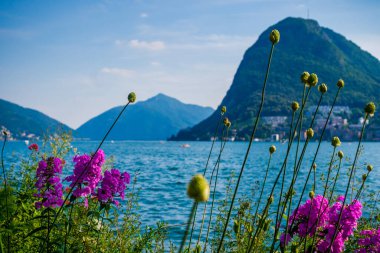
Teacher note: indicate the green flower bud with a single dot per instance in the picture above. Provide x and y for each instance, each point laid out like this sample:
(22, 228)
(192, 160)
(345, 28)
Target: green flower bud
(314, 166)
(304, 77)
(364, 177)
(295, 106)
(335, 142)
(236, 226)
(272, 149)
(274, 36)
(5, 133)
(311, 194)
(198, 188)
(270, 199)
(340, 83)
(340, 154)
(309, 133)
(132, 97)
(312, 80)
(370, 108)
(369, 167)
(223, 110)
(226, 122)
(266, 224)
(322, 88)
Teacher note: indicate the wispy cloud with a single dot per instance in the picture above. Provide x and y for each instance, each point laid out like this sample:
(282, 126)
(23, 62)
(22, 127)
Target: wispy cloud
(118, 72)
(148, 45)
(144, 15)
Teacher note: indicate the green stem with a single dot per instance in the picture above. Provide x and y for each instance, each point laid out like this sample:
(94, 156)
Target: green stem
(101, 226)
(6, 192)
(189, 222)
(349, 182)
(335, 180)
(315, 155)
(67, 229)
(284, 163)
(248, 149)
(222, 145)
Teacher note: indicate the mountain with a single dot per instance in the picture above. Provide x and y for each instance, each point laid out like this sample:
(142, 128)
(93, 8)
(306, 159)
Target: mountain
(25, 123)
(157, 118)
(304, 46)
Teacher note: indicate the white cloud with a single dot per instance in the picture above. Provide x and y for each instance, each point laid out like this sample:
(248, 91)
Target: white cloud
(152, 45)
(118, 71)
(144, 15)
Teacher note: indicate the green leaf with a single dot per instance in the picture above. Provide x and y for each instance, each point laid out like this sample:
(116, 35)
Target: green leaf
(35, 231)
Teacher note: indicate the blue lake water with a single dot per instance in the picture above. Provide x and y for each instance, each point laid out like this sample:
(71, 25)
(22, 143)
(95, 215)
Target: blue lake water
(164, 169)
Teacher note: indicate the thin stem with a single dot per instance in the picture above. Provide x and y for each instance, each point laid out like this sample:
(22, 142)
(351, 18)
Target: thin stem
(316, 152)
(6, 191)
(222, 144)
(101, 226)
(324, 192)
(349, 182)
(284, 163)
(212, 206)
(361, 187)
(204, 173)
(67, 229)
(188, 227)
(335, 180)
(248, 149)
(213, 142)
(297, 166)
(87, 165)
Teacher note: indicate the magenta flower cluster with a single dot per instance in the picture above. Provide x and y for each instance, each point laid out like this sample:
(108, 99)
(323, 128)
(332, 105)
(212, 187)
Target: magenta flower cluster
(48, 184)
(86, 175)
(370, 241)
(305, 222)
(112, 185)
(350, 216)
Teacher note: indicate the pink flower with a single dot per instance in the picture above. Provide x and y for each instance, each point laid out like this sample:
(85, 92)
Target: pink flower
(112, 185)
(33, 147)
(370, 242)
(48, 184)
(86, 175)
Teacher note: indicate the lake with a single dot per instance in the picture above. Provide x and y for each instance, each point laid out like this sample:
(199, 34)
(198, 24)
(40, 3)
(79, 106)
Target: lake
(165, 168)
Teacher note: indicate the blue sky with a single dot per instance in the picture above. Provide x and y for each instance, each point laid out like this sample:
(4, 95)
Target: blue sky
(75, 59)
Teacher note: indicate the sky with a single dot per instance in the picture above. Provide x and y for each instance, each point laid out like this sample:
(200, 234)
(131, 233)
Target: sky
(75, 59)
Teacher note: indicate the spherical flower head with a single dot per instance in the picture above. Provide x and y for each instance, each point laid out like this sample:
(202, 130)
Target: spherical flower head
(223, 110)
(312, 80)
(340, 83)
(226, 122)
(309, 133)
(311, 194)
(132, 97)
(304, 77)
(272, 149)
(364, 177)
(370, 108)
(198, 188)
(335, 142)
(295, 106)
(33, 147)
(340, 154)
(369, 167)
(322, 88)
(274, 36)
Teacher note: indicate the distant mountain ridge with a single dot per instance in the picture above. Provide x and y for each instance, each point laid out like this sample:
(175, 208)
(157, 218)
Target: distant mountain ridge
(157, 118)
(304, 46)
(25, 123)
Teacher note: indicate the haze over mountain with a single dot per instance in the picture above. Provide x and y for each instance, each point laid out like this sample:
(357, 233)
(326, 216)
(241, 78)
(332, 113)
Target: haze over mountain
(304, 46)
(157, 118)
(26, 123)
